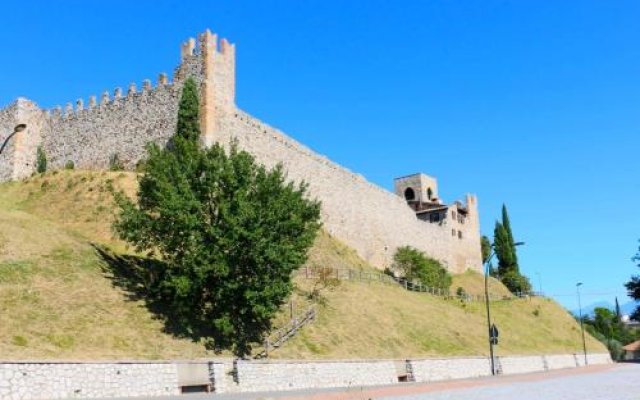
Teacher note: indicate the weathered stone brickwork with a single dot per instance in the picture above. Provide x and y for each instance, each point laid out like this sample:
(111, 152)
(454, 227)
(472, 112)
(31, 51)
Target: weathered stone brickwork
(50, 380)
(20, 381)
(291, 375)
(368, 218)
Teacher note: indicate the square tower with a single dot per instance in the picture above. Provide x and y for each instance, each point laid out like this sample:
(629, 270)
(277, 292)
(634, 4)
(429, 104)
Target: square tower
(418, 188)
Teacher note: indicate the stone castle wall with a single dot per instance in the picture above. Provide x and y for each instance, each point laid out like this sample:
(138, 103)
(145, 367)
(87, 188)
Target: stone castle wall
(366, 217)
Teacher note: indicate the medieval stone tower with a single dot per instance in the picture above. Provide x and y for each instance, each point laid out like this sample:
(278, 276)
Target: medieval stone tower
(121, 124)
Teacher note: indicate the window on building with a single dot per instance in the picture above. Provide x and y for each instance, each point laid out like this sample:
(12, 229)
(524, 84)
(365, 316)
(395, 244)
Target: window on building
(459, 234)
(453, 215)
(409, 194)
(453, 232)
(429, 193)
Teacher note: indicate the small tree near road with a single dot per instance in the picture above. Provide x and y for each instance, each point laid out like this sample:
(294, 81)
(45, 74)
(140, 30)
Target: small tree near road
(229, 231)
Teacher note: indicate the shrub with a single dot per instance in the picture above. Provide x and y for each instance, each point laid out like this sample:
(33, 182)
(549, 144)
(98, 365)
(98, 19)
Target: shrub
(69, 165)
(460, 292)
(41, 161)
(413, 265)
(114, 163)
(516, 282)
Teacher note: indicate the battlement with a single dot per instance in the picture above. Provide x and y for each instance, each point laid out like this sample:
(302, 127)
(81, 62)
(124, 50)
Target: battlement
(89, 131)
(107, 100)
(199, 59)
(207, 43)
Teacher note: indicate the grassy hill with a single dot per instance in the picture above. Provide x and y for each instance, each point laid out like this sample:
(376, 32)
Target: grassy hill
(61, 297)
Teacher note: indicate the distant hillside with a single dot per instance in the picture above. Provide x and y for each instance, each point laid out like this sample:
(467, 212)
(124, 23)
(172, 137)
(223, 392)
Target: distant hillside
(69, 290)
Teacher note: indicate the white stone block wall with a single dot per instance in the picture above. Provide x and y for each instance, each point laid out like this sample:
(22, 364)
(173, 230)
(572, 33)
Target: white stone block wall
(600, 358)
(438, 369)
(520, 365)
(68, 380)
(31, 381)
(291, 375)
(559, 361)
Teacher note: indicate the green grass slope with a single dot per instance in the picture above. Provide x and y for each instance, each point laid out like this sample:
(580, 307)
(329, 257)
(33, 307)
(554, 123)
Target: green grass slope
(60, 298)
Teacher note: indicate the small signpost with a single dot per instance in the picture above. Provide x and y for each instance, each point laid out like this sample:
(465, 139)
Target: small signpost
(493, 334)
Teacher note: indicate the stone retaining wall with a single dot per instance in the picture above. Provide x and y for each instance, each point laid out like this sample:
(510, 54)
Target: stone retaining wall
(291, 375)
(66, 380)
(438, 369)
(86, 380)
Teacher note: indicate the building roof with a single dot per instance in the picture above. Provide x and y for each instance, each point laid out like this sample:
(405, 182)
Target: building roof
(635, 346)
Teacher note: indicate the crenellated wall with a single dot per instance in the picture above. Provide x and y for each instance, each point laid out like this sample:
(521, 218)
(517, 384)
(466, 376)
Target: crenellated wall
(366, 217)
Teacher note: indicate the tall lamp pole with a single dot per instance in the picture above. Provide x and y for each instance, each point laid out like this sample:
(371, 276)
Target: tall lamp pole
(584, 342)
(486, 301)
(18, 128)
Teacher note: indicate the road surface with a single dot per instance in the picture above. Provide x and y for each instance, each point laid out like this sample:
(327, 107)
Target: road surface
(602, 382)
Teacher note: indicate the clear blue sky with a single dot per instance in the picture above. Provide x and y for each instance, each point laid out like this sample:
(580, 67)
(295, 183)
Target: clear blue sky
(531, 103)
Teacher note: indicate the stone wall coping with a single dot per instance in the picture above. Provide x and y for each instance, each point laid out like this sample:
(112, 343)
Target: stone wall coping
(281, 361)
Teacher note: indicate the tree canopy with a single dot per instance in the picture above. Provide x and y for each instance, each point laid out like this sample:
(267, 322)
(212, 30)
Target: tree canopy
(413, 265)
(229, 233)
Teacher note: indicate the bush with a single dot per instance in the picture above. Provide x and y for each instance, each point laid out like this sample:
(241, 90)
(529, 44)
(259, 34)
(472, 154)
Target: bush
(41, 161)
(516, 282)
(69, 165)
(114, 163)
(615, 349)
(414, 266)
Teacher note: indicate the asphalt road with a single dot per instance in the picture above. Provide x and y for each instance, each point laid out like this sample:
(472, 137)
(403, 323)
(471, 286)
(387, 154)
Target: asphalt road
(619, 382)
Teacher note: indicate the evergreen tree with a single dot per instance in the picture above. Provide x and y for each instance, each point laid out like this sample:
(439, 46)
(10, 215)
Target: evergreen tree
(618, 315)
(504, 249)
(506, 223)
(633, 287)
(229, 234)
(41, 160)
(189, 112)
(485, 248)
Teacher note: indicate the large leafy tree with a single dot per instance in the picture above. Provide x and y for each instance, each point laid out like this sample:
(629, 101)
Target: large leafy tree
(229, 232)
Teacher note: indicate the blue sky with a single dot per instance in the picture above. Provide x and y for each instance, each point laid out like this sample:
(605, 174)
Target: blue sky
(531, 103)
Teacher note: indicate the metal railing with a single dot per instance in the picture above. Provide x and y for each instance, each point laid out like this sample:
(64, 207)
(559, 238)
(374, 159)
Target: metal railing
(349, 274)
(278, 337)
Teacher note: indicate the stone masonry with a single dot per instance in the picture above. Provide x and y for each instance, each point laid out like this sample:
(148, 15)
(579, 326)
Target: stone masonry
(366, 217)
(68, 380)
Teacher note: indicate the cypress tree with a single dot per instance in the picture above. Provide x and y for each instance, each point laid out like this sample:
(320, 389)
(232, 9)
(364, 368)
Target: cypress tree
(188, 125)
(506, 223)
(504, 249)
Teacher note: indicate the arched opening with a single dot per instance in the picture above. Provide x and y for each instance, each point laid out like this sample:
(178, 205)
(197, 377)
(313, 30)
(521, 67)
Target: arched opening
(409, 194)
(429, 193)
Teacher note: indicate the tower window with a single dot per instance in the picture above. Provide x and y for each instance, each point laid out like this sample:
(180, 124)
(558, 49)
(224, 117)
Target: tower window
(459, 234)
(409, 194)
(429, 193)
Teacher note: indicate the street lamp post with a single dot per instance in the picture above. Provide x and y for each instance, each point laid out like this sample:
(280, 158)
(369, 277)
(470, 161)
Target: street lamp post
(18, 128)
(539, 283)
(486, 301)
(584, 343)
